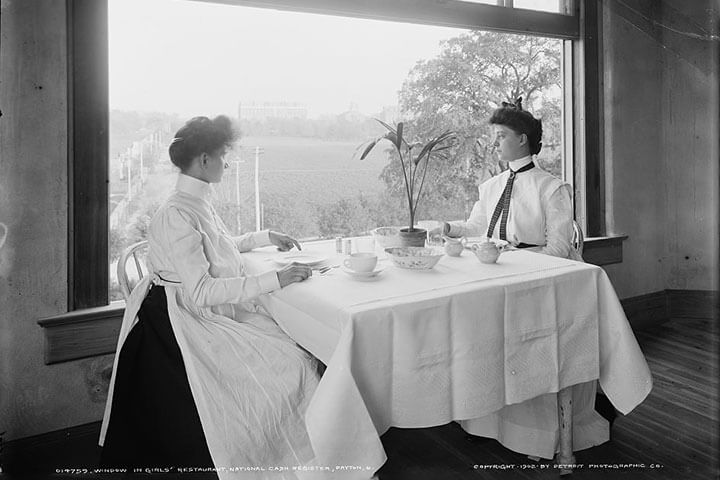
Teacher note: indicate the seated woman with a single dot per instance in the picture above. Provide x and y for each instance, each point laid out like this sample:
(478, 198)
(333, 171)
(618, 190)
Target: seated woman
(203, 376)
(529, 208)
(524, 205)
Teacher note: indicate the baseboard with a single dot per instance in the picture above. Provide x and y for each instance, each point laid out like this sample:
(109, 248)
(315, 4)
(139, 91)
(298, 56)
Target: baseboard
(647, 310)
(655, 308)
(693, 303)
(70, 448)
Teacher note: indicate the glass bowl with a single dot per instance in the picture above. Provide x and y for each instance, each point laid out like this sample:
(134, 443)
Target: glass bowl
(387, 237)
(416, 258)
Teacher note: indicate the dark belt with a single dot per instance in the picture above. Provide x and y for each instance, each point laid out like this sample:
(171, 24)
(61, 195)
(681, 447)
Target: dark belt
(525, 245)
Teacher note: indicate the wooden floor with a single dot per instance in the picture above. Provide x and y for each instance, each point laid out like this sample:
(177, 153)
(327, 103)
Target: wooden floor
(675, 429)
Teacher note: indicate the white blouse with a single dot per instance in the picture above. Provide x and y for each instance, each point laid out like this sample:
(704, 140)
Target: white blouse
(540, 211)
(188, 239)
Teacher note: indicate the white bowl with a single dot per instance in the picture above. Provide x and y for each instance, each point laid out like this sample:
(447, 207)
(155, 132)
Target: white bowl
(387, 236)
(417, 258)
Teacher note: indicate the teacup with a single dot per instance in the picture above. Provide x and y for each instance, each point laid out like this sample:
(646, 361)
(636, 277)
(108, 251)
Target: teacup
(454, 246)
(361, 262)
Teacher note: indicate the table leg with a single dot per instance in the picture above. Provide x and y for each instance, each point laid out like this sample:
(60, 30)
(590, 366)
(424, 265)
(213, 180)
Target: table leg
(565, 457)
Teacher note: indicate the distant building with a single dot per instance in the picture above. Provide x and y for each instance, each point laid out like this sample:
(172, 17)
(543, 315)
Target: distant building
(352, 114)
(265, 110)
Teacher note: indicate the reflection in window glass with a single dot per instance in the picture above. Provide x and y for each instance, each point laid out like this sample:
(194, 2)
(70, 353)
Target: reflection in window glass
(486, 2)
(539, 5)
(306, 90)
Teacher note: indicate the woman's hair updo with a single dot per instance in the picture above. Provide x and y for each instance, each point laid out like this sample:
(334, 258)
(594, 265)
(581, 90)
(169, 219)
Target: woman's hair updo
(201, 135)
(521, 121)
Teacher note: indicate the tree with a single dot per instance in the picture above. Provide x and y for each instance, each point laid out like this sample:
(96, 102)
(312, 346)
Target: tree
(358, 215)
(459, 89)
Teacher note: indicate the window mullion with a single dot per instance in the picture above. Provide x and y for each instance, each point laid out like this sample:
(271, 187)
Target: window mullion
(88, 126)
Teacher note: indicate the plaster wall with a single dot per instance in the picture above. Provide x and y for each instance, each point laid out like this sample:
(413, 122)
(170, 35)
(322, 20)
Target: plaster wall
(34, 397)
(634, 171)
(690, 158)
(661, 144)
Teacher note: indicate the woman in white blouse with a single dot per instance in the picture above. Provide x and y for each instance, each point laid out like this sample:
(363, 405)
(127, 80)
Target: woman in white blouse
(204, 378)
(539, 215)
(531, 211)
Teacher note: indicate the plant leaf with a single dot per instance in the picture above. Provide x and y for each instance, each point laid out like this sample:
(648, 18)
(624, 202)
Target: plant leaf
(441, 148)
(385, 125)
(399, 130)
(433, 144)
(368, 147)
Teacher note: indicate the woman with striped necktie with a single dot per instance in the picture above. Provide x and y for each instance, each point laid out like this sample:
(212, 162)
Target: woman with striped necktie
(525, 205)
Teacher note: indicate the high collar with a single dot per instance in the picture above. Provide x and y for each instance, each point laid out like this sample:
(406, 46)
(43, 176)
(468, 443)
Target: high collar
(194, 187)
(516, 165)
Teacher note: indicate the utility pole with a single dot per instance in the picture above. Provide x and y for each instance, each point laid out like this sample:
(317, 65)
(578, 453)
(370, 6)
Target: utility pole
(258, 221)
(129, 176)
(237, 192)
(142, 163)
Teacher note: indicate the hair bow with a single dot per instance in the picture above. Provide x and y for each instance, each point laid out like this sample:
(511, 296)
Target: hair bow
(517, 105)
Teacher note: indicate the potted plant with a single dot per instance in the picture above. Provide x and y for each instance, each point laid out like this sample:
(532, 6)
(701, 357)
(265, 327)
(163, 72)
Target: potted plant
(414, 168)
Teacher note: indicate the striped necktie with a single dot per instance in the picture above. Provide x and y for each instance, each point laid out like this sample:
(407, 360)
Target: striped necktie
(503, 205)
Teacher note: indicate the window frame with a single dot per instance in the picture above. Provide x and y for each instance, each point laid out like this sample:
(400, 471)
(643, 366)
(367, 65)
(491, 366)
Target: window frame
(88, 124)
(88, 153)
(88, 119)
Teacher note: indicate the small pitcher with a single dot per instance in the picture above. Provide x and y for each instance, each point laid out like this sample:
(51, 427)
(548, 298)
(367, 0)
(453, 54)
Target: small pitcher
(487, 252)
(454, 246)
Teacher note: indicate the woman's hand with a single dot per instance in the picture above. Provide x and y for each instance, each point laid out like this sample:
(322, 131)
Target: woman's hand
(283, 242)
(293, 272)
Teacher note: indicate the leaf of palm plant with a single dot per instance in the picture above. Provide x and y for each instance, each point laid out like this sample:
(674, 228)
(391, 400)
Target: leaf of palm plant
(432, 144)
(393, 130)
(427, 149)
(370, 145)
(441, 148)
(386, 125)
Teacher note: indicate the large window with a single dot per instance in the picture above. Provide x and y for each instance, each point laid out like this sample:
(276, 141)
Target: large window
(406, 46)
(306, 90)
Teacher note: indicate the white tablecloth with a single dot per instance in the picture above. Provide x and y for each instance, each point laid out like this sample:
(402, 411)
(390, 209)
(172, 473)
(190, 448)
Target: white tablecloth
(458, 342)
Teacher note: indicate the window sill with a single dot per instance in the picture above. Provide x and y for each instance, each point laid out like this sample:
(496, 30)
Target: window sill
(82, 333)
(603, 250)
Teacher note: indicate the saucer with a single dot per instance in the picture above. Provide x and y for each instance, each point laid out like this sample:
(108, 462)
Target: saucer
(353, 273)
(299, 257)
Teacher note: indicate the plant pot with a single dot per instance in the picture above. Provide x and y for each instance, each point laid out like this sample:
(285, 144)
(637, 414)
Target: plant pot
(413, 238)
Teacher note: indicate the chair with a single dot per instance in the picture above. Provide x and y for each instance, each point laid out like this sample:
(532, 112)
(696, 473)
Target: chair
(578, 239)
(127, 282)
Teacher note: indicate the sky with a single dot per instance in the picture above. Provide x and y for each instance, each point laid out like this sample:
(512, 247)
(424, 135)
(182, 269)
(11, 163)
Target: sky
(198, 58)
(192, 58)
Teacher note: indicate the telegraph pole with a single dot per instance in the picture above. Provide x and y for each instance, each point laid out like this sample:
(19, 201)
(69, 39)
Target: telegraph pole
(129, 175)
(258, 222)
(237, 192)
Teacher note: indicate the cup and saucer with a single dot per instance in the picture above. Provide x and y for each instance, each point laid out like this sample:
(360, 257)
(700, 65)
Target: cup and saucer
(362, 265)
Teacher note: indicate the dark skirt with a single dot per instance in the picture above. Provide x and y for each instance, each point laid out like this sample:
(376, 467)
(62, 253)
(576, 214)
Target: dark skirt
(154, 423)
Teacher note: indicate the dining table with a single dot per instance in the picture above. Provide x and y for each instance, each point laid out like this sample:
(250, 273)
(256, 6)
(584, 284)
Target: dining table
(416, 348)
